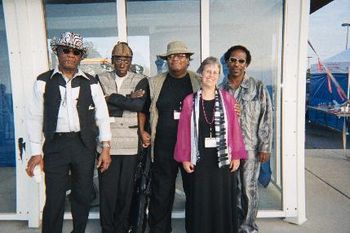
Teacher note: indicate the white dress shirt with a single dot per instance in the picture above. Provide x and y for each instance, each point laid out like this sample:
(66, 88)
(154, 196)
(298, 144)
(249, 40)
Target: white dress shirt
(119, 81)
(68, 118)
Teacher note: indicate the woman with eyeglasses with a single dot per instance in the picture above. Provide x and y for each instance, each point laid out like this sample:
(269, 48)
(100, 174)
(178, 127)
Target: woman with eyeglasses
(210, 146)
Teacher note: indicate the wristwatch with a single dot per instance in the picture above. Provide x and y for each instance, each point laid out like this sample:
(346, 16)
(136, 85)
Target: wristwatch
(106, 145)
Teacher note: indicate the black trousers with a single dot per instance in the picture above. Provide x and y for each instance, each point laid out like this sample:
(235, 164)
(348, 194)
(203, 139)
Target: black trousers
(67, 153)
(116, 190)
(164, 172)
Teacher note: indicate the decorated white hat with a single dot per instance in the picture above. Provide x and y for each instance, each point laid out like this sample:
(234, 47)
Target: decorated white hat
(69, 39)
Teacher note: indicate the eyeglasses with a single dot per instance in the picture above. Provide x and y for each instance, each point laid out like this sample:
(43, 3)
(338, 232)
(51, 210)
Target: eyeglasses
(210, 72)
(235, 59)
(120, 60)
(179, 56)
(76, 52)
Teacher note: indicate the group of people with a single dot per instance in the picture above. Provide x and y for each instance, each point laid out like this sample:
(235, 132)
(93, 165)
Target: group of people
(217, 135)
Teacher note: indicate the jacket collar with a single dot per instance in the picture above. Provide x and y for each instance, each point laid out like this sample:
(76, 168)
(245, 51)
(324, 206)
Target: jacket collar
(79, 73)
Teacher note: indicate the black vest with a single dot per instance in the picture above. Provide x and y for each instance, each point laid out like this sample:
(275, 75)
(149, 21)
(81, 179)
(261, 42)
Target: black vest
(85, 106)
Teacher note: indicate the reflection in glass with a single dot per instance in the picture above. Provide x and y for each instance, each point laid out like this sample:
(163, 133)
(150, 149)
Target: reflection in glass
(97, 23)
(258, 26)
(7, 139)
(161, 22)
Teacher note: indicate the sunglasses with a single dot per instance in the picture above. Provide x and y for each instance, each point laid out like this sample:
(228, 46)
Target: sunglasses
(235, 59)
(76, 52)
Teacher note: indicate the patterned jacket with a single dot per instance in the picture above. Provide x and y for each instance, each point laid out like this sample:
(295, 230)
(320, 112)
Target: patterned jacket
(256, 113)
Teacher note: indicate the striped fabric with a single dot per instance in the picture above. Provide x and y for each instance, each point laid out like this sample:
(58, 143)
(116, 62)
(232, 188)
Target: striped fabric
(220, 130)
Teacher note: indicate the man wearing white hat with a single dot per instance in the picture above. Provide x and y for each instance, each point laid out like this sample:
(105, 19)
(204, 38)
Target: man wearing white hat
(69, 109)
(124, 91)
(167, 92)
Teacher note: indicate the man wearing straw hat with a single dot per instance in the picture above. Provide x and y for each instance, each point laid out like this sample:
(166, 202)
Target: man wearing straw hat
(167, 91)
(69, 109)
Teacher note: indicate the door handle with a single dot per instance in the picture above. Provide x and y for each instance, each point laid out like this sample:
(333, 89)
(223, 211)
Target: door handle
(21, 147)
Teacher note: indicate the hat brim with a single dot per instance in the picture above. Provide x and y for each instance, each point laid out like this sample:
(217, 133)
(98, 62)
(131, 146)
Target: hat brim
(54, 45)
(164, 56)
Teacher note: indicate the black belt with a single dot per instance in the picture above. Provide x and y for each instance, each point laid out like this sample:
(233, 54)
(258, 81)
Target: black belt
(67, 134)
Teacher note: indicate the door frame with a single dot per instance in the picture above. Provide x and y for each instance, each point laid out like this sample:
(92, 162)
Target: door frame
(28, 56)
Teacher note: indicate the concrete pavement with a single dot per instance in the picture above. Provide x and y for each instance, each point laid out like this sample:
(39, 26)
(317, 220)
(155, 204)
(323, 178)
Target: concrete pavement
(327, 173)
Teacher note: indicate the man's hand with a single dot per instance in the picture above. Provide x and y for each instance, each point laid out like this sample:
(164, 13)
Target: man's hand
(188, 166)
(104, 160)
(263, 156)
(237, 109)
(146, 139)
(137, 94)
(33, 161)
(234, 165)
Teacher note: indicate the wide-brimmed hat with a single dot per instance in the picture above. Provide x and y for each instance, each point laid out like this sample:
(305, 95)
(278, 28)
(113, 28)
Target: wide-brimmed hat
(69, 39)
(175, 47)
(122, 49)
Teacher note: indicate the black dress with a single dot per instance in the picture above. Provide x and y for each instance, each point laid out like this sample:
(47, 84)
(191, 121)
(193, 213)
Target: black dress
(212, 197)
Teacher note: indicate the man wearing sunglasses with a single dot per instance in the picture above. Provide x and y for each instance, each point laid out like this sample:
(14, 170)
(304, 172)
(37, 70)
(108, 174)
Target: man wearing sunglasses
(256, 125)
(69, 110)
(124, 93)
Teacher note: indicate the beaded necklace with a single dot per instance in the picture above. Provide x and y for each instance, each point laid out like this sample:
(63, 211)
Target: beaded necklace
(210, 123)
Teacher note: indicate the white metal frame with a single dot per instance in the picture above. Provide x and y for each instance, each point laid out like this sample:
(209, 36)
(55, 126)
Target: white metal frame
(27, 48)
(28, 56)
(293, 108)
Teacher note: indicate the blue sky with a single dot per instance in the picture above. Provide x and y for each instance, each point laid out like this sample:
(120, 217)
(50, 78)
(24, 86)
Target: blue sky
(325, 31)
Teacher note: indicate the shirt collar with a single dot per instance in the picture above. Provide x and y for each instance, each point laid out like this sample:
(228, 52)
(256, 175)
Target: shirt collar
(244, 83)
(79, 73)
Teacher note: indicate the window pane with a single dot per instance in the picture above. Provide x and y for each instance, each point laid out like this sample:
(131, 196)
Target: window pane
(158, 23)
(96, 22)
(7, 139)
(258, 26)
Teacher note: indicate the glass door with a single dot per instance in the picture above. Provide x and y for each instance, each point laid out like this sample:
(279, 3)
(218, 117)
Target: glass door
(7, 138)
(257, 25)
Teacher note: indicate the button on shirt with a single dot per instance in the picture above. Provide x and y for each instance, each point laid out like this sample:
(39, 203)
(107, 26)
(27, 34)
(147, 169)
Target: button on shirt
(68, 118)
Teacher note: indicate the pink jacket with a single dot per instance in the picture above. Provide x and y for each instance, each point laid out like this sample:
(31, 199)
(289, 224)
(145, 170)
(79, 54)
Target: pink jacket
(234, 141)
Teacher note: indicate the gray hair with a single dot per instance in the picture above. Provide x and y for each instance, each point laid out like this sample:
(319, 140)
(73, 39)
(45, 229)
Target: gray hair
(208, 61)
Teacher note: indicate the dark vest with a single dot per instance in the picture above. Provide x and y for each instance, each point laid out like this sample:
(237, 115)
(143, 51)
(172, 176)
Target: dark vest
(85, 106)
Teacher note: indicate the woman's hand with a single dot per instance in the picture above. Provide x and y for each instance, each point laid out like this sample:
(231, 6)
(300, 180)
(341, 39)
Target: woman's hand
(188, 166)
(234, 165)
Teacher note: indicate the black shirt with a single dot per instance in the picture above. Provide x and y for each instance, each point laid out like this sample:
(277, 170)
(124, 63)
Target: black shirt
(173, 91)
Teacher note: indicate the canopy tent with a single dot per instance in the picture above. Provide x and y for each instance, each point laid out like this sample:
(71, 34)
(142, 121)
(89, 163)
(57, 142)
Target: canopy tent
(323, 91)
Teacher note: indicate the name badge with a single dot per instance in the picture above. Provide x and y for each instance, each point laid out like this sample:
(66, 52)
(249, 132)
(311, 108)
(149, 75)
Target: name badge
(176, 115)
(210, 142)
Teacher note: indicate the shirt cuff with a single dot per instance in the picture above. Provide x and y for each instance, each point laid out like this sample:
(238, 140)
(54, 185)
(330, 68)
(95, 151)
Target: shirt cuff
(105, 133)
(36, 148)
